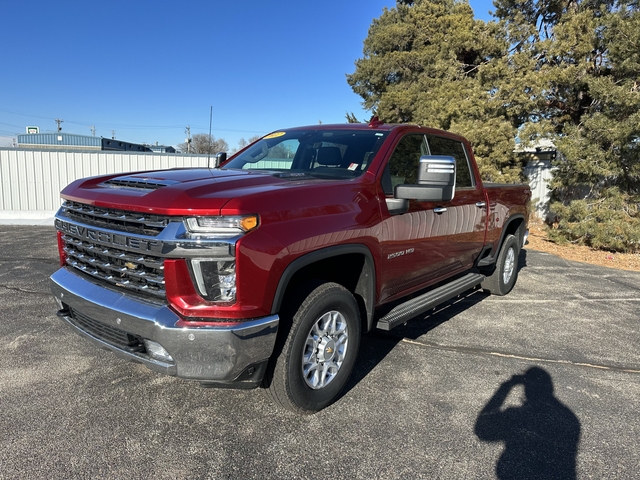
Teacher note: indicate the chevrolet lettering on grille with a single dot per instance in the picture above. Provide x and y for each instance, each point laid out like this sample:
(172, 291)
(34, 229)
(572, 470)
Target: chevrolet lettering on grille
(109, 238)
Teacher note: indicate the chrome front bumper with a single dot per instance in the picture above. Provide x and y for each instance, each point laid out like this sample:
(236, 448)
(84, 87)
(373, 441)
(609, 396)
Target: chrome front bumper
(234, 356)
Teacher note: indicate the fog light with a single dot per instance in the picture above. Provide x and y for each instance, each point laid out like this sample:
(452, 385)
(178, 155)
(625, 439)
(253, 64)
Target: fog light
(157, 351)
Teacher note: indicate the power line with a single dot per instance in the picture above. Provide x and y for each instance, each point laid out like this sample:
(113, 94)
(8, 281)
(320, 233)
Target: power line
(23, 114)
(10, 125)
(129, 126)
(84, 122)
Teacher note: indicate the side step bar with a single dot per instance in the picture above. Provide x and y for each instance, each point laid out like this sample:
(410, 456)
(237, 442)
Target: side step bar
(408, 310)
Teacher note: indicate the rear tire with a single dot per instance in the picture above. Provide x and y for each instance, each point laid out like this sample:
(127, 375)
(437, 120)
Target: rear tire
(505, 273)
(319, 351)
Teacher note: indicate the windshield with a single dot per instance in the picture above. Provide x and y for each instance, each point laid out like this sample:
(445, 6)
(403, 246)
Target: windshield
(317, 153)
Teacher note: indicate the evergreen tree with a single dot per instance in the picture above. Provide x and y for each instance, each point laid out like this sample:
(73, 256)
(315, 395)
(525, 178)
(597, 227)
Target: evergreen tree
(580, 87)
(430, 62)
(565, 70)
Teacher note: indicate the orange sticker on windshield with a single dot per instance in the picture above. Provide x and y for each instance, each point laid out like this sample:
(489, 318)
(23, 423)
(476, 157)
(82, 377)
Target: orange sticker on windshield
(275, 135)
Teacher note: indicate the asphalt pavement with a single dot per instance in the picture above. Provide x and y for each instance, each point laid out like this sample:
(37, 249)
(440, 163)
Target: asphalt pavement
(542, 383)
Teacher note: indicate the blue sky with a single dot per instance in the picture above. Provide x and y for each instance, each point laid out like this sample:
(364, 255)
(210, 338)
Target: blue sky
(147, 69)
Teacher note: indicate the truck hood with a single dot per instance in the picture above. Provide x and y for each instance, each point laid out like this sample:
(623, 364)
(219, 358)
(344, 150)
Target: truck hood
(180, 191)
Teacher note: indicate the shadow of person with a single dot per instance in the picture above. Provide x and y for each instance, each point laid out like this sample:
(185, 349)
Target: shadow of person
(540, 437)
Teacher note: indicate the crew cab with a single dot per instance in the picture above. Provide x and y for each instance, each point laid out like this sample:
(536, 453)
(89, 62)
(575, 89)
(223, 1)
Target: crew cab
(266, 268)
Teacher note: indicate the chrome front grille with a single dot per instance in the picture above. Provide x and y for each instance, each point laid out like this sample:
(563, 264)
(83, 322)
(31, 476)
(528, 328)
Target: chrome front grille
(118, 220)
(140, 272)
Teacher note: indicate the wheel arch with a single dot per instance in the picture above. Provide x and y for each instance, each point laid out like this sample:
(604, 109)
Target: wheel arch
(513, 226)
(349, 265)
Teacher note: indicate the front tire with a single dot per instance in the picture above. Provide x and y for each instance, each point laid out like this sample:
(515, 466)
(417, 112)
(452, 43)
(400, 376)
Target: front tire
(505, 274)
(320, 349)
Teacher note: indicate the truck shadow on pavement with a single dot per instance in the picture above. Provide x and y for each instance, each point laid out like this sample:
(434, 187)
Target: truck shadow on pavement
(376, 345)
(540, 434)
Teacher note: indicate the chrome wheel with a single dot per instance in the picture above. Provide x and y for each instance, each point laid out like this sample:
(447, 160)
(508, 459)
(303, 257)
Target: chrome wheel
(325, 349)
(509, 265)
(500, 279)
(320, 349)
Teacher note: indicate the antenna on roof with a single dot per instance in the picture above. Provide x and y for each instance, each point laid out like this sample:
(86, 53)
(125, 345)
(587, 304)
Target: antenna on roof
(375, 122)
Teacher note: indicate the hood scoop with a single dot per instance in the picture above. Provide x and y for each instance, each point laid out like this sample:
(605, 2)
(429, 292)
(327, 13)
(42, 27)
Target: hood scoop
(137, 183)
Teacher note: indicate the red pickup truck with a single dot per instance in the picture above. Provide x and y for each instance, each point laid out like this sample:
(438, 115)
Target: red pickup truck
(267, 268)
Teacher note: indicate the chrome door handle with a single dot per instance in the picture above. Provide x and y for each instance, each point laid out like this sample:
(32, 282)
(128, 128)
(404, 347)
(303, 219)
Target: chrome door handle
(481, 204)
(439, 210)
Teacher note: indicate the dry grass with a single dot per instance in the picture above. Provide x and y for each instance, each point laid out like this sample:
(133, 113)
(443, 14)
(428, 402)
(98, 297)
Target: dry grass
(538, 241)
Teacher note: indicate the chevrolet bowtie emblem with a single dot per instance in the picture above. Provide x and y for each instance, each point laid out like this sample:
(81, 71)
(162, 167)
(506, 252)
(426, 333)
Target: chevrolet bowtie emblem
(130, 265)
(329, 350)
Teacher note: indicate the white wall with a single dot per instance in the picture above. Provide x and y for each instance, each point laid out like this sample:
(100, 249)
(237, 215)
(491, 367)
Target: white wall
(540, 173)
(31, 180)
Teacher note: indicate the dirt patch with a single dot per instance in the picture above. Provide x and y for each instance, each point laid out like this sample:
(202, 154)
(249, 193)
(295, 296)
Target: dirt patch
(538, 241)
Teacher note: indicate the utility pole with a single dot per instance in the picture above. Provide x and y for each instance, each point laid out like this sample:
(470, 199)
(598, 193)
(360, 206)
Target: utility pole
(93, 130)
(209, 148)
(113, 134)
(210, 119)
(58, 121)
(188, 139)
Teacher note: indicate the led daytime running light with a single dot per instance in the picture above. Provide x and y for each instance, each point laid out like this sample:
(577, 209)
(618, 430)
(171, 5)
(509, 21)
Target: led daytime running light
(222, 225)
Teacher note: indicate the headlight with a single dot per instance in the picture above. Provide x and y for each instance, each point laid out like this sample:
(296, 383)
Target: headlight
(216, 279)
(221, 226)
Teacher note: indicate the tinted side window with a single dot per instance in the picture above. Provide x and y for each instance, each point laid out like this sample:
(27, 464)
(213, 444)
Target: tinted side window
(404, 162)
(455, 149)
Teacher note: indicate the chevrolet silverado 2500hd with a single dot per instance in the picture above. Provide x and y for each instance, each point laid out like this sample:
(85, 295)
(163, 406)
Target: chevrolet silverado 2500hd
(267, 269)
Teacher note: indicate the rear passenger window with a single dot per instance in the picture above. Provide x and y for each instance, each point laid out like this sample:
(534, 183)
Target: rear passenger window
(455, 149)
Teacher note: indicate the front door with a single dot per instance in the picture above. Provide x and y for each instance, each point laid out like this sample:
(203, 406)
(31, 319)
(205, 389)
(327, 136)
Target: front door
(432, 240)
